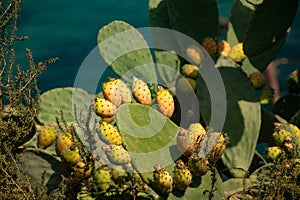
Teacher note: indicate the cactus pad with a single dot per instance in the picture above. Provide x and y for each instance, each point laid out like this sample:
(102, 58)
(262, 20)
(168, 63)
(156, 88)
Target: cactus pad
(62, 99)
(243, 116)
(126, 51)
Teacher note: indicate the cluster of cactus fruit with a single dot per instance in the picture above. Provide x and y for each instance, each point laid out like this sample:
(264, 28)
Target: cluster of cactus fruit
(286, 140)
(116, 92)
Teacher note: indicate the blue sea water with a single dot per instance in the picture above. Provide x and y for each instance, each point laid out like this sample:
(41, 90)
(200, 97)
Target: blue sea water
(68, 30)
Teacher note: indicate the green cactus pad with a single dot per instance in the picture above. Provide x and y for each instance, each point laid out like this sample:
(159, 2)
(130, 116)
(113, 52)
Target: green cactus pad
(56, 100)
(263, 42)
(190, 17)
(158, 13)
(287, 106)
(199, 189)
(37, 163)
(243, 116)
(140, 125)
(240, 17)
(126, 51)
(168, 67)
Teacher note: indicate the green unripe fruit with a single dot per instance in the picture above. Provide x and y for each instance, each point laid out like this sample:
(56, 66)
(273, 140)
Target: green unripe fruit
(198, 166)
(182, 177)
(282, 133)
(258, 80)
(47, 136)
(266, 95)
(162, 179)
(117, 154)
(102, 178)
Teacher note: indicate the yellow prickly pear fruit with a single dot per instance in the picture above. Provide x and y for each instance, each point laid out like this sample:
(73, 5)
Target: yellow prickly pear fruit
(165, 101)
(81, 169)
(187, 140)
(237, 53)
(194, 54)
(104, 108)
(189, 70)
(224, 48)
(162, 179)
(219, 149)
(273, 152)
(47, 136)
(63, 141)
(141, 92)
(70, 155)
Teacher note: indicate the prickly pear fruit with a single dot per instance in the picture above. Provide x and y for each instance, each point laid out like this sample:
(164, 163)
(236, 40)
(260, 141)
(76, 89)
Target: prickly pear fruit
(293, 82)
(296, 131)
(198, 166)
(47, 136)
(258, 80)
(81, 169)
(108, 119)
(64, 140)
(282, 133)
(70, 155)
(102, 178)
(273, 152)
(237, 53)
(165, 101)
(182, 176)
(117, 154)
(189, 70)
(186, 85)
(126, 93)
(104, 108)
(162, 179)
(218, 149)
(119, 174)
(194, 54)
(266, 95)
(110, 134)
(141, 92)
(224, 48)
(116, 91)
(210, 45)
(187, 140)
(111, 92)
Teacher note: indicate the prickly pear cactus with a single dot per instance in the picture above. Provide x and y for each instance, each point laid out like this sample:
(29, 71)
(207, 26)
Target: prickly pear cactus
(126, 51)
(243, 117)
(56, 100)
